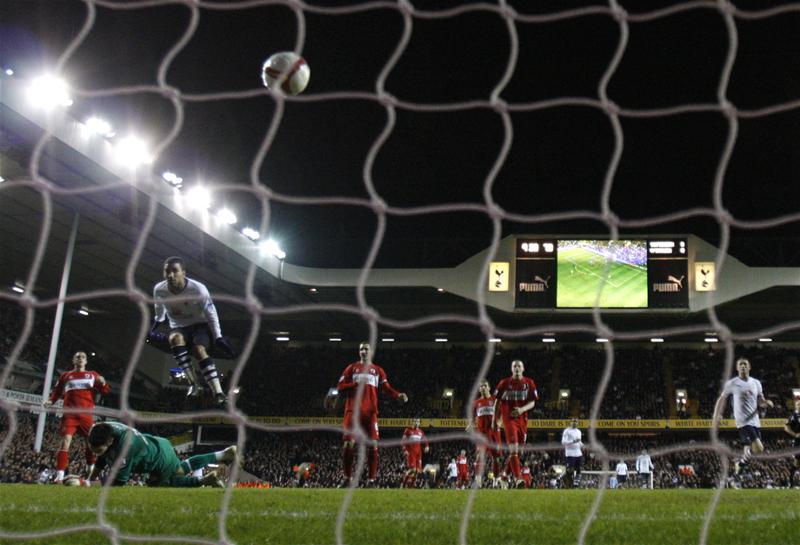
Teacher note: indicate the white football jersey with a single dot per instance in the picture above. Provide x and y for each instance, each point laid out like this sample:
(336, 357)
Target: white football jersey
(196, 308)
(745, 400)
(568, 439)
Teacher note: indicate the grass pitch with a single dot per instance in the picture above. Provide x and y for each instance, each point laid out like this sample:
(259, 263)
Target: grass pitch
(580, 274)
(377, 517)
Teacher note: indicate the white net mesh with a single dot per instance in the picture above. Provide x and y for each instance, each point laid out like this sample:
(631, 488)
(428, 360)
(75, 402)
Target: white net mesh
(511, 20)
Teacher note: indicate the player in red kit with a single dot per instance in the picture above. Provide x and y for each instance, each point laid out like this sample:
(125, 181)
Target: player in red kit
(369, 378)
(515, 396)
(412, 442)
(483, 413)
(526, 475)
(463, 470)
(78, 388)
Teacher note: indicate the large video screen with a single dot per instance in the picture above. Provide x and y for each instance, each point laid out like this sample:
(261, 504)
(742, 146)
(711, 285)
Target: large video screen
(581, 270)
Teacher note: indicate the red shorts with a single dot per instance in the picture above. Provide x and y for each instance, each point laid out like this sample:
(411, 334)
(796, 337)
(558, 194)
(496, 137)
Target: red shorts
(413, 461)
(516, 430)
(82, 423)
(463, 473)
(369, 422)
(493, 436)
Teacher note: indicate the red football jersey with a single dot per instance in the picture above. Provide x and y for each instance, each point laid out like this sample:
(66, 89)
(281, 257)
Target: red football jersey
(78, 388)
(461, 462)
(413, 439)
(514, 393)
(483, 411)
(373, 377)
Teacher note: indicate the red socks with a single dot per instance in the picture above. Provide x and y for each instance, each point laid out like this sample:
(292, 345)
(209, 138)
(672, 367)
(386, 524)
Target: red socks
(62, 460)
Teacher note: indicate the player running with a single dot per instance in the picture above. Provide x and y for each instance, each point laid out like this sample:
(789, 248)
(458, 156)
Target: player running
(373, 378)
(194, 326)
(483, 414)
(78, 388)
(748, 397)
(412, 442)
(792, 427)
(151, 455)
(515, 396)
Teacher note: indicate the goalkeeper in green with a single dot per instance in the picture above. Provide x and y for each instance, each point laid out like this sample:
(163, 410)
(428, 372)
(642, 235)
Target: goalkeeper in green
(151, 455)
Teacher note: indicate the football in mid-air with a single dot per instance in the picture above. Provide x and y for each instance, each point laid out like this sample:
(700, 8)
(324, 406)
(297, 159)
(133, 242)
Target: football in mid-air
(75, 480)
(287, 69)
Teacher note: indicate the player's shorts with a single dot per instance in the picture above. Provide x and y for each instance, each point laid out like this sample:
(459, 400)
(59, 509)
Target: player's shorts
(414, 461)
(516, 430)
(621, 479)
(492, 436)
(195, 334)
(748, 434)
(165, 468)
(575, 462)
(80, 423)
(369, 422)
(463, 473)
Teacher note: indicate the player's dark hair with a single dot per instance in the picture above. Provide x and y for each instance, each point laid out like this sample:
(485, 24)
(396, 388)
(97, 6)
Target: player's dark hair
(173, 260)
(100, 434)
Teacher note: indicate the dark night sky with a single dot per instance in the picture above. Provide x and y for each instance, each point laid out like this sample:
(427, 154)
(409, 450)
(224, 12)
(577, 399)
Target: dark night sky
(559, 156)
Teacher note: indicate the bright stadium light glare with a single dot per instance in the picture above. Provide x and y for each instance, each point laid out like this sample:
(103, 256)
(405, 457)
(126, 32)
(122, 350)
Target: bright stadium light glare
(282, 339)
(765, 340)
(271, 247)
(548, 340)
(198, 197)
(251, 233)
(132, 151)
(656, 340)
(226, 216)
(83, 311)
(312, 290)
(495, 340)
(711, 340)
(18, 288)
(9, 72)
(172, 178)
(48, 92)
(2, 179)
(440, 339)
(440, 290)
(387, 339)
(335, 339)
(601, 340)
(95, 125)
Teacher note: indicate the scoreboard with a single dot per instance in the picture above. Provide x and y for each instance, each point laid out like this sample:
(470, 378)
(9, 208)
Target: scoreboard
(560, 273)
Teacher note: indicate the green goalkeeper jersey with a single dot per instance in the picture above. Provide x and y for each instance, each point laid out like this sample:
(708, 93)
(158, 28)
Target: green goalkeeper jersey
(147, 454)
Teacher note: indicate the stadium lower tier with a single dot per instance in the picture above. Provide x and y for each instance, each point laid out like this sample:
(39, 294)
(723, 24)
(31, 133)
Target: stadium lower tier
(314, 458)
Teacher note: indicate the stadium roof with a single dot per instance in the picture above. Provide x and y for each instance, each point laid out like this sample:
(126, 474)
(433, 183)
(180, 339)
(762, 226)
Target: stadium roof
(556, 162)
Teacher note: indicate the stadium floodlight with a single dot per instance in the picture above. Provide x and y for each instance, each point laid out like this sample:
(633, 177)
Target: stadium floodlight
(387, 339)
(48, 92)
(2, 179)
(226, 216)
(95, 125)
(9, 72)
(199, 198)
(711, 340)
(440, 339)
(440, 290)
(94, 354)
(765, 340)
(495, 340)
(271, 247)
(84, 310)
(563, 394)
(335, 339)
(251, 233)
(18, 287)
(656, 340)
(312, 290)
(548, 340)
(447, 393)
(282, 339)
(132, 151)
(172, 178)
(601, 340)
